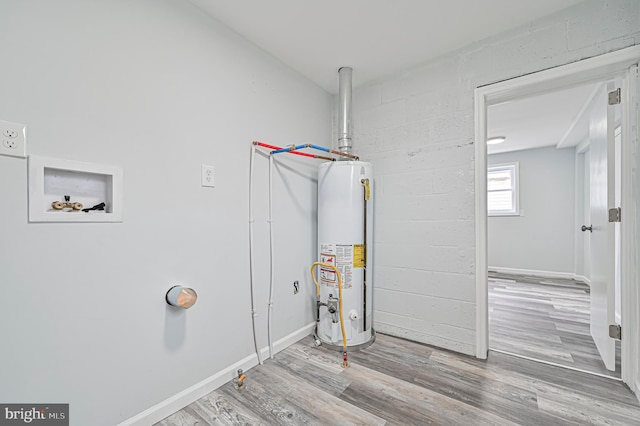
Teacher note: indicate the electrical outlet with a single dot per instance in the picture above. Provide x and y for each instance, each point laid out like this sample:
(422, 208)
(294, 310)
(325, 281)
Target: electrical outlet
(208, 176)
(14, 139)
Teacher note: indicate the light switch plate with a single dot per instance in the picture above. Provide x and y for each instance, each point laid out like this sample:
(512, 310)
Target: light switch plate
(13, 139)
(208, 176)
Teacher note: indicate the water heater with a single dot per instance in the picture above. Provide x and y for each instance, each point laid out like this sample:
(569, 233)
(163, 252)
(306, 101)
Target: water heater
(345, 231)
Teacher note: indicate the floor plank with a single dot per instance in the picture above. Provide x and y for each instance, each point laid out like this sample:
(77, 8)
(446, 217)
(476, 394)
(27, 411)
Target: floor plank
(397, 382)
(546, 319)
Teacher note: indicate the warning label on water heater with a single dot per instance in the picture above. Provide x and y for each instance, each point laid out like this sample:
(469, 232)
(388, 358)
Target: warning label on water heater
(341, 256)
(358, 255)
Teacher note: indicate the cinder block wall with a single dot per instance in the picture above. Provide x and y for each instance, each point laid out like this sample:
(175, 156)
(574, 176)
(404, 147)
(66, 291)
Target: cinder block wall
(418, 130)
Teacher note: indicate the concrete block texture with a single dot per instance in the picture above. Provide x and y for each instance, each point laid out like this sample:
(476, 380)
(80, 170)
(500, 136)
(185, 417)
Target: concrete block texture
(417, 128)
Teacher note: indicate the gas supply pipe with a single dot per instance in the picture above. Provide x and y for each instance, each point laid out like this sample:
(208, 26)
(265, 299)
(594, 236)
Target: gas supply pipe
(345, 361)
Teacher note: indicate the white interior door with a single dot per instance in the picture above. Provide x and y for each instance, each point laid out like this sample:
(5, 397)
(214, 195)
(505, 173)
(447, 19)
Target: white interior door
(602, 244)
(618, 202)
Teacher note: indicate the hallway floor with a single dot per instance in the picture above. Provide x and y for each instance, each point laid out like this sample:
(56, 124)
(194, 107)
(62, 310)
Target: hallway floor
(545, 319)
(397, 382)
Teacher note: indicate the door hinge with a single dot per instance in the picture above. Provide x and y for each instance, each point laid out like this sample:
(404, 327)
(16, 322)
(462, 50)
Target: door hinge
(615, 214)
(615, 331)
(615, 97)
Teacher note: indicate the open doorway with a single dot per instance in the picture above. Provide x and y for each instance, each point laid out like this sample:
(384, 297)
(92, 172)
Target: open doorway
(620, 64)
(540, 191)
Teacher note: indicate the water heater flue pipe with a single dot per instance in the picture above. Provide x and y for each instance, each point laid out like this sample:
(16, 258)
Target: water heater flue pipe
(344, 117)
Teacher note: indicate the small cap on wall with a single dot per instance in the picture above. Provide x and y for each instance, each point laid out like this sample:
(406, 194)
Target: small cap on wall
(181, 297)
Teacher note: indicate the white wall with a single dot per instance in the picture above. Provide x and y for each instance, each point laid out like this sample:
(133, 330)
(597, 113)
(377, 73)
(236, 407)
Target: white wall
(418, 128)
(542, 238)
(581, 211)
(157, 88)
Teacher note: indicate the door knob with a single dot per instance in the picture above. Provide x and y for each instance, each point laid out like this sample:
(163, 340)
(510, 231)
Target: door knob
(587, 228)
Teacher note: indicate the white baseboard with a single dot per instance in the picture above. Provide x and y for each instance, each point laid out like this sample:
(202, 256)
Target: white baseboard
(538, 273)
(288, 340)
(176, 402)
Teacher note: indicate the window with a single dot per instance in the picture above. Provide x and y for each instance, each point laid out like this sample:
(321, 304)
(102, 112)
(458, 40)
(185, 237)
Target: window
(502, 185)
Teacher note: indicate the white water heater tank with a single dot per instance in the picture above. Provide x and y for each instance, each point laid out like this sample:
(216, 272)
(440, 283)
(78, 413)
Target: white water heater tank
(345, 238)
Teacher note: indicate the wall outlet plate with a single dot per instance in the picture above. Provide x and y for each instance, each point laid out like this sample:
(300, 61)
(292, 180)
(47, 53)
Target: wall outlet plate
(13, 139)
(208, 176)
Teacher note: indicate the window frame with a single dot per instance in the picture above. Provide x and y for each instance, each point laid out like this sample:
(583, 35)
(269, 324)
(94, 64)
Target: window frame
(515, 188)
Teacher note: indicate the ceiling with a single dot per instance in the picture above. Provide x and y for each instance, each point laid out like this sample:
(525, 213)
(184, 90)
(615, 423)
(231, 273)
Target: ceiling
(375, 37)
(558, 118)
(378, 38)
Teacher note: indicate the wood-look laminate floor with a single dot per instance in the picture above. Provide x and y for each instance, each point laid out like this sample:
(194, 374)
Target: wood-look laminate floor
(397, 382)
(545, 319)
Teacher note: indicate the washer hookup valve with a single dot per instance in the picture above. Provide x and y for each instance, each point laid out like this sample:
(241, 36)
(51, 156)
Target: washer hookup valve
(240, 379)
(66, 204)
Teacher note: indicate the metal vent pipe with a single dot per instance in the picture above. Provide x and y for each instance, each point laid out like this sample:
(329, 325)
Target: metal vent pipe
(344, 118)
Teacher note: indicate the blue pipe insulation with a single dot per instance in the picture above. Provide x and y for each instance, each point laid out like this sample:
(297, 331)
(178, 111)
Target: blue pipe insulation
(294, 148)
(289, 149)
(320, 148)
